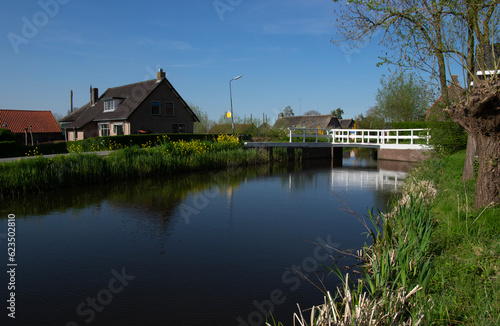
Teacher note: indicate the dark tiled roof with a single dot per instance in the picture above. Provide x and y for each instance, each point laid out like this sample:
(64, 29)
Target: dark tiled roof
(346, 123)
(17, 120)
(133, 95)
(308, 121)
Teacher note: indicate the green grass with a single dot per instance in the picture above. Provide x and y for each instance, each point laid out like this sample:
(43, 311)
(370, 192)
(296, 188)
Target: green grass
(434, 260)
(41, 174)
(466, 284)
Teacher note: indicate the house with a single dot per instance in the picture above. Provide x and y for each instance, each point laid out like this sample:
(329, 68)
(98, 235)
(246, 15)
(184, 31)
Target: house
(487, 61)
(347, 123)
(455, 94)
(30, 126)
(264, 129)
(152, 106)
(239, 129)
(323, 121)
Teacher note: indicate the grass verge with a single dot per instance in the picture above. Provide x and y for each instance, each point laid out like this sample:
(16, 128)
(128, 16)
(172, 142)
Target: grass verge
(434, 260)
(41, 174)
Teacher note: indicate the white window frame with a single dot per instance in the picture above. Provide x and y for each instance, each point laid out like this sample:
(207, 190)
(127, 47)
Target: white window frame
(101, 127)
(108, 107)
(120, 124)
(176, 130)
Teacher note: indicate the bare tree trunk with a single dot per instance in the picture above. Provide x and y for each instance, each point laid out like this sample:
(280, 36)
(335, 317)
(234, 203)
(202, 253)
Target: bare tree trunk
(470, 157)
(488, 179)
(480, 115)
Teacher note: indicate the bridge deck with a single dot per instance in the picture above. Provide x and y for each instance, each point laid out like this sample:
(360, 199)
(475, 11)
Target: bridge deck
(414, 139)
(330, 145)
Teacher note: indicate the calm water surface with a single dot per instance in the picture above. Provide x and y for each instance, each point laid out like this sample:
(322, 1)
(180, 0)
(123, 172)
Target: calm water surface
(217, 248)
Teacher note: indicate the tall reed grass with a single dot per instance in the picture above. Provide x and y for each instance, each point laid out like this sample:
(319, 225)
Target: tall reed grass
(40, 173)
(433, 261)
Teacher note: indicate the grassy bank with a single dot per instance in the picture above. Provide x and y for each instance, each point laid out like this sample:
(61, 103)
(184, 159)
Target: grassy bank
(434, 260)
(40, 173)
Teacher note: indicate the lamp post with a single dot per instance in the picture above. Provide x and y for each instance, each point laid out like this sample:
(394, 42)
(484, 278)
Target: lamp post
(231, 99)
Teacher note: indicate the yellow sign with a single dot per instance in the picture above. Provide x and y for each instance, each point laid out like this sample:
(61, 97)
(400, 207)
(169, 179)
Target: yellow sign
(228, 114)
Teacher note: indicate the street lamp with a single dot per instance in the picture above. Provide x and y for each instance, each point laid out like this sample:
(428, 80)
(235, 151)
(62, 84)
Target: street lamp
(231, 99)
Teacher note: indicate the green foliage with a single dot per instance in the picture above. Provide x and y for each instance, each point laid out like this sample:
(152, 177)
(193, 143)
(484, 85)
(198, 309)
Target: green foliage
(41, 173)
(6, 135)
(465, 286)
(372, 119)
(411, 125)
(11, 149)
(447, 137)
(338, 113)
(312, 112)
(118, 142)
(205, 124)
(288, 112)
(402, 98)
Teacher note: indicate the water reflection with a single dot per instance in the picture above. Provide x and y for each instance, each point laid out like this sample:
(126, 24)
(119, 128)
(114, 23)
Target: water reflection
(203, 246)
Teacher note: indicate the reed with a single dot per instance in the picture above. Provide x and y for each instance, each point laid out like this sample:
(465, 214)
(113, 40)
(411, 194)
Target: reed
(40, 173)
(433, 261)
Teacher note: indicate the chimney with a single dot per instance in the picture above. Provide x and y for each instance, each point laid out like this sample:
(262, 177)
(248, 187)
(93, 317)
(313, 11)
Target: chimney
(454, 80)
(160, 75)
(94, 95)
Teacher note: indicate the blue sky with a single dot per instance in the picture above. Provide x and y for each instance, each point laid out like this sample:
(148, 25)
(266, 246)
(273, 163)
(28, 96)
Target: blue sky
(282, 49)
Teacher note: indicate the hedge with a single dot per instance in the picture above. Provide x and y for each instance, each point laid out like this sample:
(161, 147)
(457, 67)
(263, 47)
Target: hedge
(15, 149)
(411, 125)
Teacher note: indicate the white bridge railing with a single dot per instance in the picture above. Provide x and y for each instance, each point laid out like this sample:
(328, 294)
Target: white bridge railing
(394, 138)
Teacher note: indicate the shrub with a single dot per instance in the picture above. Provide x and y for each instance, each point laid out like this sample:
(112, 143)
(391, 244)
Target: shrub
(11, 149)
(7, 135)
(119, 142)
(447, 137)
(411, 125)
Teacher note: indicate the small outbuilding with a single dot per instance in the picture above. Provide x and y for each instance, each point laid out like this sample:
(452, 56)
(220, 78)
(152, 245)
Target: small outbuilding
(31, 127)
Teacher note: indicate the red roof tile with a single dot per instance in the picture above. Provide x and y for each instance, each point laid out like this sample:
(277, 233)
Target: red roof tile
(17, 120)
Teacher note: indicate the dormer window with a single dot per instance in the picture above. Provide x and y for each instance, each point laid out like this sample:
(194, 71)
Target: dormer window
(110, 104)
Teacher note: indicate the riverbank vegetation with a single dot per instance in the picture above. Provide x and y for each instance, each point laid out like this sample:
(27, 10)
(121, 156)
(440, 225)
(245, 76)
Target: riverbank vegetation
(151, 159)
(434, 260)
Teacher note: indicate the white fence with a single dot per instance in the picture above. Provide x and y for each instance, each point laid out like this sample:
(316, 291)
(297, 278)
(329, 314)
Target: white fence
(387, 138)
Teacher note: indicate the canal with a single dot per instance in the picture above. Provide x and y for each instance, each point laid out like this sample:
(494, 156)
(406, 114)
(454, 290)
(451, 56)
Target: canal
(211, 248)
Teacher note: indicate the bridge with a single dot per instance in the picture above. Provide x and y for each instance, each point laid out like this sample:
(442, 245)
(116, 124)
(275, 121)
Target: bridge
(393, 144)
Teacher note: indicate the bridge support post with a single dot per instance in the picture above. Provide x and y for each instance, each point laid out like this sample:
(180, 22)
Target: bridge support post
(337, 154)
(291, 153)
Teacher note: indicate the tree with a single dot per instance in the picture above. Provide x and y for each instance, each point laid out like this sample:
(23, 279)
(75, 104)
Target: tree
(205, 123)
(401, 98)
(480, 114)
(312, 112)
(57, 116)
(288, 112)
(370, 120)
(430, 35)
(338, 113)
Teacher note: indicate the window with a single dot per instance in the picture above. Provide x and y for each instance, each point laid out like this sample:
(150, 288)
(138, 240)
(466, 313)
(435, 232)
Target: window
(118, 129)
(109, 105)
(104, 129)
(170, 108)
(155, 108)
(178, 128)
